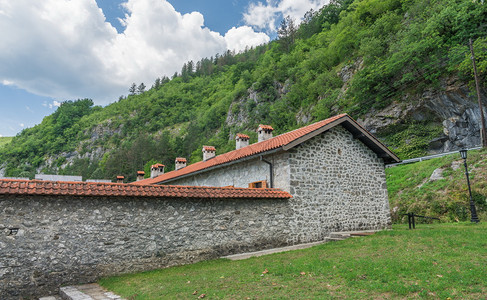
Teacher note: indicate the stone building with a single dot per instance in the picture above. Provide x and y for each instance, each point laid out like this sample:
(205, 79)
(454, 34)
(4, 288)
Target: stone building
(334, 170)
(293, 188)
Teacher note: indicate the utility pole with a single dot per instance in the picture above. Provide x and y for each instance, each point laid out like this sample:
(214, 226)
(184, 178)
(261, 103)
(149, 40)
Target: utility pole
(483, 135)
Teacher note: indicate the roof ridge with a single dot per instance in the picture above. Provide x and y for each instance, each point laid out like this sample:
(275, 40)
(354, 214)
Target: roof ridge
(250, 150)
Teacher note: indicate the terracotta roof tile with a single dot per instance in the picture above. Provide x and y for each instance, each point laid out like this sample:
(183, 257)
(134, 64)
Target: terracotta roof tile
(59, 188)
(270, 144)
(242, 136)
(181, 159)
(157, 166)
(209, 148)
(266, 127)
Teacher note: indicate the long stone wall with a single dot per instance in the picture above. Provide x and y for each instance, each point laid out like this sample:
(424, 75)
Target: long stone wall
(50, 241)
(338, 184)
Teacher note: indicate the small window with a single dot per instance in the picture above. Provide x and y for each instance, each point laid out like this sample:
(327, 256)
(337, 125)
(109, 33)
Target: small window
(258, 185)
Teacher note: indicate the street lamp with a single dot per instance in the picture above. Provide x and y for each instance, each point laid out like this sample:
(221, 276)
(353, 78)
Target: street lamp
(473, 211)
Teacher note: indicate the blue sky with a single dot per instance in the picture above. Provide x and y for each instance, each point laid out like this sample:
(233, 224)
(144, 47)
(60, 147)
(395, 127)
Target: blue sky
(65, 50)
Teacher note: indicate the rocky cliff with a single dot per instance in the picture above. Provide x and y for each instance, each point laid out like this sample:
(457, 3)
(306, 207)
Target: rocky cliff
(452, 106)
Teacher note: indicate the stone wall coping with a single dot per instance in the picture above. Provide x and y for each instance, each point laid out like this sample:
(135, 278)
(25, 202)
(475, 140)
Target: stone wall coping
(72, 188)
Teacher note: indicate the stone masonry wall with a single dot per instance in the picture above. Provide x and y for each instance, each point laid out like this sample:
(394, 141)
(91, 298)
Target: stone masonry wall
(241, 174)
(66, 240)
(338, 184)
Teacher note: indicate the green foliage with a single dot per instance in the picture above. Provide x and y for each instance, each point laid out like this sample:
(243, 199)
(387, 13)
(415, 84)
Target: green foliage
(411, 140)
(4, 140)
(350, 56)
(411, 190)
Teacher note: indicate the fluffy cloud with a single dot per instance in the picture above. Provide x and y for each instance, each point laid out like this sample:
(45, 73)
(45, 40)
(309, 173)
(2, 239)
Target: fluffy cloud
(66, 50)
(265, 15)
(51, 105)
(239, 38)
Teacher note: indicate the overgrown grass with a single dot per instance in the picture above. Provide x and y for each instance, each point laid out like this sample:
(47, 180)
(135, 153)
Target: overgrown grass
(434, 261)
(411, 190)
(5, 140)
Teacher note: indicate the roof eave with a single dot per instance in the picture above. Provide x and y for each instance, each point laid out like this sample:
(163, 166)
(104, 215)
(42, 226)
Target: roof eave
(268, 152)
(346, 121)
(358, 132)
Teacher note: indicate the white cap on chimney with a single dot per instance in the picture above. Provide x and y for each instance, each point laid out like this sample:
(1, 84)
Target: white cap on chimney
(264, 132)
(140, 175)
(208, 152)
(180, 163)
(241, 140)
(156, 170)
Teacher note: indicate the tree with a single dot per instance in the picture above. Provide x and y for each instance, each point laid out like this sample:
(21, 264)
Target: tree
(286, 33)
(157, 84)
(132, 89)
(141, 88)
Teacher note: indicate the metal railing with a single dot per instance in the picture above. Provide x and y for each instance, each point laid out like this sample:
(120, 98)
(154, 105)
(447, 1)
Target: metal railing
(412, 160)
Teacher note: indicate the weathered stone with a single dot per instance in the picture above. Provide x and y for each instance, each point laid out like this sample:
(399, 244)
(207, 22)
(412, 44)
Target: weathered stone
(83, 248)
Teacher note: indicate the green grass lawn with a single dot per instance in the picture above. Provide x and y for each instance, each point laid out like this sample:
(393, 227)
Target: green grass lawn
(411, 190)
(437, 261)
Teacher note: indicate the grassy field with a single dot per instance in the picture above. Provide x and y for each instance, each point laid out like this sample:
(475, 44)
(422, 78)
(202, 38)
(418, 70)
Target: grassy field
(411, 189)
(5, 140)
(438, 261)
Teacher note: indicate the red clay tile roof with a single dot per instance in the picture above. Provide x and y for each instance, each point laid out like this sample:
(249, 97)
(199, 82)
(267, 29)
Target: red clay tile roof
(242, 136)
(140, 173)
(270, 144)
(266, 127)
(68, 188)
(181, 159)
(209, 148)
(120, 177)
(285, 140)
(156, 166)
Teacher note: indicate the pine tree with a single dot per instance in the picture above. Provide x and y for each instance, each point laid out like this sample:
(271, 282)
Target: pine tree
(132, 89)
(141, 88)
(286, 33)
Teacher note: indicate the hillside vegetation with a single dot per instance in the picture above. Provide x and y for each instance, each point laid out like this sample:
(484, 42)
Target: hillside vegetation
(5, 140)
(412, 188)
(351, 56)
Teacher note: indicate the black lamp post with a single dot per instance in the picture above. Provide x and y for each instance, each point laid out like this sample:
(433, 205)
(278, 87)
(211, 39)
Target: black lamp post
(473, 211)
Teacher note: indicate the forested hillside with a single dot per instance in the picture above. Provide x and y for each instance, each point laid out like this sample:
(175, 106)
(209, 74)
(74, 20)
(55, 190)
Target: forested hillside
(358, 57)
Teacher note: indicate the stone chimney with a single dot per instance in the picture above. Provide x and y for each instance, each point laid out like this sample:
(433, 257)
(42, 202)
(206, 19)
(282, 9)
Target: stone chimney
(241, 140)
(156, 170)
(208, 152)
(264, 132)
(120, 179)
(140, 175)
(180, 163)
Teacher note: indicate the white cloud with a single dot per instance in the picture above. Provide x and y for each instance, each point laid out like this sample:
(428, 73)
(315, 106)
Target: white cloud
(1, 135)
(53, 104)
(265, 15)
(21, 124)
(66, 50)
(239, 38)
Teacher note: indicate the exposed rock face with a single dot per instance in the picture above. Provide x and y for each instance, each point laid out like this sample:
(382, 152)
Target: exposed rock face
(452, 105)
(437, 174)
